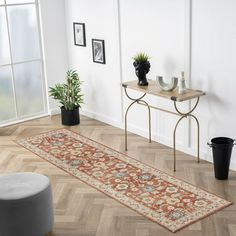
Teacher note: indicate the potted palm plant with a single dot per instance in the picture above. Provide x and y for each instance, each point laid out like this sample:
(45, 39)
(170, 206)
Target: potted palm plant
(142, 67)
(69, 95)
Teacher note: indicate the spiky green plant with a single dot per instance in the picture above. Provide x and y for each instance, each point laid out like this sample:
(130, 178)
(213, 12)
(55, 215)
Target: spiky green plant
(69, 94)
(141, 57)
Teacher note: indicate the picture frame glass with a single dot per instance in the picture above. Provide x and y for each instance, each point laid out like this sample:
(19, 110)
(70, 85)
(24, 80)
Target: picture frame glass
(79, 34)
(98, 51)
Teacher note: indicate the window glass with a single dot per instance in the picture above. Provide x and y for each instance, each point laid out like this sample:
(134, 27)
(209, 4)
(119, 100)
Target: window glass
(21, 79)
(7, 107)
(4, 42)
(24, 35)
(28, 86)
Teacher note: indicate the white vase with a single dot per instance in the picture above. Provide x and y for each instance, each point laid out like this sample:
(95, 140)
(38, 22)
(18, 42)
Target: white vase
(182, 85)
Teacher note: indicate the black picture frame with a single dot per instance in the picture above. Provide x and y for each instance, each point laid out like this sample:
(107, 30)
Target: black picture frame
(79, 34)
(98, 47)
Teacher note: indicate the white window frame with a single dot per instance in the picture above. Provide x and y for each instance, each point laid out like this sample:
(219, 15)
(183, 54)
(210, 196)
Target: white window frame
(18, 118)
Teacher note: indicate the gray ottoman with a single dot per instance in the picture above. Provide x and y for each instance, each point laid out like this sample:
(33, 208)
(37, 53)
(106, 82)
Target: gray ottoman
(26, 207)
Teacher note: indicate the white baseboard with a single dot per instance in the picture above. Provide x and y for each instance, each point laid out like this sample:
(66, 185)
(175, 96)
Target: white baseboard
(168, 142)
(102, 118)
(232, 165)
(55, 111)
(14, 122)
(144, 133)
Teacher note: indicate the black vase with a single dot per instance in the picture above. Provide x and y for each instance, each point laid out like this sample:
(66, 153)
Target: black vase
(141, 69)
(70, 117)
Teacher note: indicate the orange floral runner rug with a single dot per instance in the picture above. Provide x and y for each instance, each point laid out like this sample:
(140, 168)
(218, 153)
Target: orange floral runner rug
(158, 196)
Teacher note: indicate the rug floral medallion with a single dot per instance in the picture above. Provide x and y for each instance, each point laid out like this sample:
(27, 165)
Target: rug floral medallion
(160, 197)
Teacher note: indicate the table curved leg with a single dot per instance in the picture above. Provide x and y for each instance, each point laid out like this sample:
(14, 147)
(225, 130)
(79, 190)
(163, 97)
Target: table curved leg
(189, 112)
(136, 100)
(126, 115)
(174, 136)
(149, 119)
(185, 115)
(198, 137)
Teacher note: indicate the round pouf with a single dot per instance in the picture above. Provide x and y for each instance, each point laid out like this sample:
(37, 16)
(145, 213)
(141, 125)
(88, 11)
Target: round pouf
(26, 207)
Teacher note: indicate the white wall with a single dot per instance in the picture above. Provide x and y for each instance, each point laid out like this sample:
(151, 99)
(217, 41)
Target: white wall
(52, 14)
(157, 28)
(160, 28)
(101, 88)
(213, 68)
(159, 34)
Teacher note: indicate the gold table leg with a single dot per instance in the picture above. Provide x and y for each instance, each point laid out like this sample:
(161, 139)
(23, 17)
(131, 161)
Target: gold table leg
(185, 115)
(179, 113)
(136, 100)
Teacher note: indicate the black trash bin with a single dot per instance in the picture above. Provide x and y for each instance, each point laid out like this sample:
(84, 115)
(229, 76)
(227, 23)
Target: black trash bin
(221, 149)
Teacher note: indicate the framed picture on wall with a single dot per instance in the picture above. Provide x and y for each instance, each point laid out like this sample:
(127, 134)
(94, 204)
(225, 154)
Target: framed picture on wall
(79, 34)
(98, 47)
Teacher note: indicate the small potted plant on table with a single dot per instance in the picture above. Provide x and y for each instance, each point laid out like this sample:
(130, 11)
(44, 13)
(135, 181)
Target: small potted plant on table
(69, 95)
(142, 67)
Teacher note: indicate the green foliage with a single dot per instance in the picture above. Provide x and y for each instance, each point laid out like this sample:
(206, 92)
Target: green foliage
(141, 57)
(69, 94)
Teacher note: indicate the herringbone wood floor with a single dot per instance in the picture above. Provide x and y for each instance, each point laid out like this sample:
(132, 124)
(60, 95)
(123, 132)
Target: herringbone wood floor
(81, 210)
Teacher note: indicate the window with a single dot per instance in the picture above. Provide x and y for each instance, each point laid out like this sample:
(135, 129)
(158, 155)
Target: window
(22, 89)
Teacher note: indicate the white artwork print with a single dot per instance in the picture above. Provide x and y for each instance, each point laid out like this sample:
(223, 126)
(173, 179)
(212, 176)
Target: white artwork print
(98, 51)
(79, 34)
(98, 47)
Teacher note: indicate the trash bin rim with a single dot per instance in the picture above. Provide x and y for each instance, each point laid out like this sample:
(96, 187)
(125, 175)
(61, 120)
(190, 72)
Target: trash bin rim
(221, 142)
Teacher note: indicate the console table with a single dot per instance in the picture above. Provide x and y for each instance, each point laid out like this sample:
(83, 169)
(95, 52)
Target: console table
(172, 96)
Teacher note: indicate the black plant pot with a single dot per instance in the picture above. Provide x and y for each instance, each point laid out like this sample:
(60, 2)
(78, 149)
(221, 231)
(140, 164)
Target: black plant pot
(141, 69)
(70, 117)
